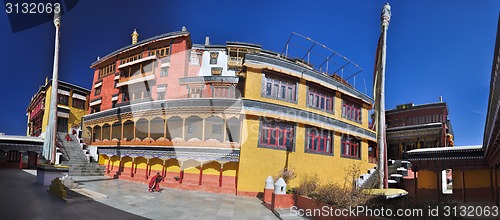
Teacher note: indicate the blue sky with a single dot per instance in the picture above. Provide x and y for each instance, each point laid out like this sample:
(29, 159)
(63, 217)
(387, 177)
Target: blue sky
(435, 48)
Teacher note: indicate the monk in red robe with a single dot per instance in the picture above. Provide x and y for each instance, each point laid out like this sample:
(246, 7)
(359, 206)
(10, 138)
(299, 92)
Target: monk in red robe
(154, 183)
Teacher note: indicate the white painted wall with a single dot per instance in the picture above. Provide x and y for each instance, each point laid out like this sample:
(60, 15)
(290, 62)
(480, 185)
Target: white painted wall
(206, 67)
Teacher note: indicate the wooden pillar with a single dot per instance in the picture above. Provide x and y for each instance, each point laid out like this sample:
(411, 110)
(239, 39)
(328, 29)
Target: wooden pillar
(184, 129)
(236, 178)
(20, 160)
(132, 168)
(181, 175)
(149, 173)
(164, 131)
(224, 130)
(463, 185)
(203, 130)
(36, 159)
(135, 169)
(135, 128)
(220, 174)
(147, 167)
(110, 132)
(121, 135)
(163, 171)
(92, 136)
(149, 129)
(201, 174)
(109, 160)
(112, 164)
(101, 134)
(415, 181)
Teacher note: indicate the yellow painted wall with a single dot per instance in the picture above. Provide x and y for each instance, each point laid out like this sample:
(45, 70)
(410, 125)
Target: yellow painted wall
(45, 120)
(253, 90)
(427, 180)
(473, 178)
(258, 163)
(75, 114)
(172, 165)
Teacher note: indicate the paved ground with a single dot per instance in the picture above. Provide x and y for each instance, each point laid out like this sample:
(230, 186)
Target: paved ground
(23, 198)
(118, 199)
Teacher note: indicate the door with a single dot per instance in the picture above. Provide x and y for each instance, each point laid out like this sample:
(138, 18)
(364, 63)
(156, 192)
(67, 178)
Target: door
(62, 125)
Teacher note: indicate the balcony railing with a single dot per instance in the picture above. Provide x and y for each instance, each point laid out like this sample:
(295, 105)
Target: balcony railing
(135, 79)
(235, 61)
(176, 142)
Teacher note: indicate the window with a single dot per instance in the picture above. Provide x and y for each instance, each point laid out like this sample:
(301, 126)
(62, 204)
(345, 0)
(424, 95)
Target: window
(277, 135)
(223, 91)
(62, 99)
(194, 59)
(131, 58)
(77, 103)
(113, 104)
(213, 57)
(320, 100)
(280, 89)
(161, 96)
(351, 111)
(351, 147)
(97, 91)
(164, 71)
(160, 52)
(109, 69)
(216, 70)
(125, 96)
(194, 92)
(95, 108)
(319, 141)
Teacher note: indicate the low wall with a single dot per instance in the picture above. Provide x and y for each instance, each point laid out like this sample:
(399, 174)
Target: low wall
(321, 211)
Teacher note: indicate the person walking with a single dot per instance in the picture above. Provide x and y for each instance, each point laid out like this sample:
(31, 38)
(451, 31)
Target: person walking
(154, 183)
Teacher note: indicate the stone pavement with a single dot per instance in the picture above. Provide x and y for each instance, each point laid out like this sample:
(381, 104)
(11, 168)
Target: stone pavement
(173, 203)
(23, 198)
(118, 199)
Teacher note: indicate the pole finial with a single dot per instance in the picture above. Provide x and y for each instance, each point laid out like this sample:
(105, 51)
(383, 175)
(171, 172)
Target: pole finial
(385, 16)
(135, 36)
(57, 18)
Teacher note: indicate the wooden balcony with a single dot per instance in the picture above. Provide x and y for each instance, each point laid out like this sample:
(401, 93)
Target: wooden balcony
(175, 142)
(136, 78)
(235, 61)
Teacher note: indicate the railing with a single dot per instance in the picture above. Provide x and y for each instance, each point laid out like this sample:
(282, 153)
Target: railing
(166, 142)
(136, 76)
(235, 61)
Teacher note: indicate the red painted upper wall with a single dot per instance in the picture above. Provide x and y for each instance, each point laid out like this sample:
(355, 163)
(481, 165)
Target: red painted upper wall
(179, 62)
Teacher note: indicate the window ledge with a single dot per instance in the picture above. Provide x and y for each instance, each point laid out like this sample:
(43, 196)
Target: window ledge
(318, 152)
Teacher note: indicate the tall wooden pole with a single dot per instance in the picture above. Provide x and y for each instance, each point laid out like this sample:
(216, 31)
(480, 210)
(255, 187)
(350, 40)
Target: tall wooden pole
(380, 107)
(49, 146)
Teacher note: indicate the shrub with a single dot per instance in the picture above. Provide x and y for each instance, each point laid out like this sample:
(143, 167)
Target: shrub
(341, 196)
(287, 174)
(308, 185)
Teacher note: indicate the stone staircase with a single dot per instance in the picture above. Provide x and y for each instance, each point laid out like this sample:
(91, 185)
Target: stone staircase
(397, 170)
(367, 180)
(75, 158)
